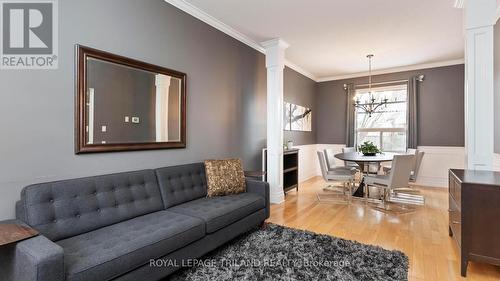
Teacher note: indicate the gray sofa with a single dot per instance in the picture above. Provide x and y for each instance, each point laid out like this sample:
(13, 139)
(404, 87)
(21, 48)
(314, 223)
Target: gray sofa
(109, 227)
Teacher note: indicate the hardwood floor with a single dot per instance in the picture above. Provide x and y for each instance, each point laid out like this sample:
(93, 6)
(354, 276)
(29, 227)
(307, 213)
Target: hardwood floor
(422, 235)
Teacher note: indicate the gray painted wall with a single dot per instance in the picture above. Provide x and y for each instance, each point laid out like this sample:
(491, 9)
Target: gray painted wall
(226, 95)
(300, 90)
(441, 106)
(497, 87)
(118, 92)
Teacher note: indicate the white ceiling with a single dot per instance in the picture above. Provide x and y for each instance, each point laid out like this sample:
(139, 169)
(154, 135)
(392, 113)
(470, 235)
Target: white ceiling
(332, 37)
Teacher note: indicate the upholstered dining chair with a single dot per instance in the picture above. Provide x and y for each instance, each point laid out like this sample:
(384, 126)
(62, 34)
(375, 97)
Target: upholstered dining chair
(418, 163)
(410, 194)
(399, 177)
(332, 166)
(350, 164)
(410, 151)
(343, 176)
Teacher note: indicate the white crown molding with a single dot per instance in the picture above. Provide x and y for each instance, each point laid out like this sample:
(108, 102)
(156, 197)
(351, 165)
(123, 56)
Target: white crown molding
(301, 70)
(210, 20)
(275, 42)
(393, 70)
(497, 14)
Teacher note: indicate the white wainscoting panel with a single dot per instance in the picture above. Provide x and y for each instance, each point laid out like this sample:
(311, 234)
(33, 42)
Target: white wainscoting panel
(307, 161)
(496, 162)
(433, 172)
(436, 163)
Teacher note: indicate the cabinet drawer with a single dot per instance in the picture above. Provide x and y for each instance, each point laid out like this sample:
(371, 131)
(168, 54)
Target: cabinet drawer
(455, 220)
(455, 190)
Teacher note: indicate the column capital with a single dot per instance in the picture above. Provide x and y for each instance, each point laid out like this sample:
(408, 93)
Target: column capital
(275, 42)
(479, 13)
(275, 52)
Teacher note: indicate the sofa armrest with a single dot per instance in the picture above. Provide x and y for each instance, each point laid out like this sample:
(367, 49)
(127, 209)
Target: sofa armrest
(261, 188)
(33, 259)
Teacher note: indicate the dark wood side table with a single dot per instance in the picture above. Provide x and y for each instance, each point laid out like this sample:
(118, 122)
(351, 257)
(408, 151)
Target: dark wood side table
(12, 232)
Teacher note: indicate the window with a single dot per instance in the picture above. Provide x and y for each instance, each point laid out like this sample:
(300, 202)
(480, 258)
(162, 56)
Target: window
(387, 127)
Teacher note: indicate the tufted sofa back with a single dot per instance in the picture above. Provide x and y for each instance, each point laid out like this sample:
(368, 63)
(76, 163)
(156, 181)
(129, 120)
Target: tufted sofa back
(70, 207)
(184, 183)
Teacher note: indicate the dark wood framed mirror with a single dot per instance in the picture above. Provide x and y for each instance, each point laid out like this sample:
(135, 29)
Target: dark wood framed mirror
(124, 104)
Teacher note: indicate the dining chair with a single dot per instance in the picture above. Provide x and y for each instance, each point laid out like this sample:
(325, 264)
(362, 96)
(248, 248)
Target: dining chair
(343, 176)
(350, 164)
(410, 151)
(399, 177)
(330, 162)
(418, 163)
(409, 194)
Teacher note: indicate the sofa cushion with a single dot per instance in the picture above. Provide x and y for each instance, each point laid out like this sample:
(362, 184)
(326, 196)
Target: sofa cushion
(218, 212)
(114, 250)
(180, 184)
(224, 177)
(70, 207)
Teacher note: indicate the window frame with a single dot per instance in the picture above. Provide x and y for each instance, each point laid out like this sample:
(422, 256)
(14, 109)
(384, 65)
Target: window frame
(382, 130)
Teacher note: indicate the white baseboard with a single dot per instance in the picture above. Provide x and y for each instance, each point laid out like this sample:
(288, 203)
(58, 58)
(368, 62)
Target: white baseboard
(433, 172)
(432, 181)
(496, 162)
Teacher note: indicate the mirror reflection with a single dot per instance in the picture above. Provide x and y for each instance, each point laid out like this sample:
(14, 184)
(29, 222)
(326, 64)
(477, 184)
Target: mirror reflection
(130, 105)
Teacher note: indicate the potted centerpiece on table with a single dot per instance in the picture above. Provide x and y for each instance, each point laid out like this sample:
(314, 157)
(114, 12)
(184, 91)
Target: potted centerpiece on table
(369, 149)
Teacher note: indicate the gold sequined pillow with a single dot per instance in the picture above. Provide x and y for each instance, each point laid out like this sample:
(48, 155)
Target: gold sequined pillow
(224, 177)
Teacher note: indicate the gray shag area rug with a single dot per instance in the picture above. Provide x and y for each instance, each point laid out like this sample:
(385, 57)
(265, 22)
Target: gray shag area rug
(275, 252)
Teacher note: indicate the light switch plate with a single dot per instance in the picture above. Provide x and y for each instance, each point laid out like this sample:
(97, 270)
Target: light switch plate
(127, 119)
(104, 128)
(135, 120)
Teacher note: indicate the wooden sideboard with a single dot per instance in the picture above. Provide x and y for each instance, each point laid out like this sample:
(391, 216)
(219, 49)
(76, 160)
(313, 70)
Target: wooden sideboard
(474, 213)
(290, 169)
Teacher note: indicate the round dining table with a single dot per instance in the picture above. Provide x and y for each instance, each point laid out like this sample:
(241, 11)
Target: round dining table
(362, 161)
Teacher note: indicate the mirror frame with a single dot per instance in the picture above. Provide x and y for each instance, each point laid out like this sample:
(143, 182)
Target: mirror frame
(82, 53)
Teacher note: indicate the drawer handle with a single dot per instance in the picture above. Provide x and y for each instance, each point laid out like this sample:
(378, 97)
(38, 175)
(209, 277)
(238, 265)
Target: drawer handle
(455, 222)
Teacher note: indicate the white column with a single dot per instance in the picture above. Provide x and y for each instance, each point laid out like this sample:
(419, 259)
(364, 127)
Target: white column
(275, 64)
(91, 109)
(162, 84)
(479, 81)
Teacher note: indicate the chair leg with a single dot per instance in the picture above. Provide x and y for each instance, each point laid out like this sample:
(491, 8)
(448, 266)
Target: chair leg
(384, 206)
(365, 193)
(351, 185)
(344, 191)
